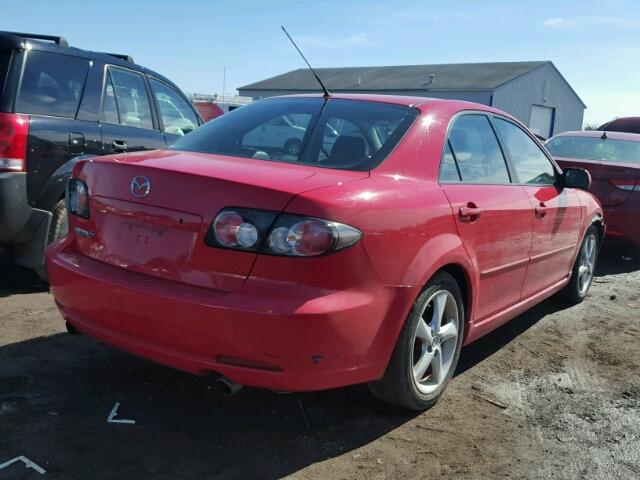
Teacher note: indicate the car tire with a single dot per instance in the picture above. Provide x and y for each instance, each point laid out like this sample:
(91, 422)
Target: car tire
(292, 147)
(58, 229)
(583, 269)
(422, 363)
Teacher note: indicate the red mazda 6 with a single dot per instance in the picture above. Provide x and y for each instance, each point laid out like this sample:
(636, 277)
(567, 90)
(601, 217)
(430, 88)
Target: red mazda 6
(399, 231)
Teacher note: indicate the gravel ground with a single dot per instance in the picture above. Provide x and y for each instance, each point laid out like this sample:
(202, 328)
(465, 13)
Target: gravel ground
(555, 393)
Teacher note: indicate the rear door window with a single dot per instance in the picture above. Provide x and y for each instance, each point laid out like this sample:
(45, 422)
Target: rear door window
(131, 98)
(476, 152)
(177, 115)
(52, 84)
(529, 161)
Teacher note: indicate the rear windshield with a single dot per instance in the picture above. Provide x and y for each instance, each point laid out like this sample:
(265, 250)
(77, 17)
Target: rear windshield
(5, 56)
(52, 84)
(337, 133)
(592, 148)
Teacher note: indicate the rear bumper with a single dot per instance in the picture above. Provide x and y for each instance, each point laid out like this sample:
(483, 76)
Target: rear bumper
(311, 339)
(14, 207)
(623, 221)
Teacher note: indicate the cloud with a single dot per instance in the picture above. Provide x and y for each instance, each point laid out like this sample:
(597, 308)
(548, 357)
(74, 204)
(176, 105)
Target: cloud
(555, 22)
(356, 40)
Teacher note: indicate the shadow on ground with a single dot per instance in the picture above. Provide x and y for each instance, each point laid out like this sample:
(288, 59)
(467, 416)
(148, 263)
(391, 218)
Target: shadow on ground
(18, 280)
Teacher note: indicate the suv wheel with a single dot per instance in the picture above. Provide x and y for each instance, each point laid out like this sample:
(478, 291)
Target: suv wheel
(58, 229)
(426, 354)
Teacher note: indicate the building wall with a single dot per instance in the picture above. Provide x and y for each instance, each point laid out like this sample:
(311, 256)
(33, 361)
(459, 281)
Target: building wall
(483, 97)
(543, 86)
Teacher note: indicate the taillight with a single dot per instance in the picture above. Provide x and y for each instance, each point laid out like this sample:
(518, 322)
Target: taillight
(14, 130)
(628, 185)
(78, 198)
(273, 234)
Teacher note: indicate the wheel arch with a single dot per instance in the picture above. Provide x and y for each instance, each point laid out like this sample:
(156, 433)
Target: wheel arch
(54, 189)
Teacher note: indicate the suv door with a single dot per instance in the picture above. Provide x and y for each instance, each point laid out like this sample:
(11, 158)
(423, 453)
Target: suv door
(176, 114)
(493, 215)
(557, 214)
(126, 118)
(50, 92)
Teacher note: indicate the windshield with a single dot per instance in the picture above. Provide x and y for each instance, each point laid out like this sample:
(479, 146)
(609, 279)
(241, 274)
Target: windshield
(343, 134)
(5, 56)
(592, 148)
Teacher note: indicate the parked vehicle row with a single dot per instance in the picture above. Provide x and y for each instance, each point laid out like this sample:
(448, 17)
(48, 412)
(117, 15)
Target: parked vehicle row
(400, 230)
(58, 103)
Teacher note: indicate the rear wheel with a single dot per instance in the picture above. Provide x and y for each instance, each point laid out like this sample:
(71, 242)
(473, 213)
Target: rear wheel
(58, 229)
(583, 269)
(427, 351)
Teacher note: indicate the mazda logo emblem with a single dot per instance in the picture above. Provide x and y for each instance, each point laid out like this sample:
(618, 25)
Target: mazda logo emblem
(140, 186)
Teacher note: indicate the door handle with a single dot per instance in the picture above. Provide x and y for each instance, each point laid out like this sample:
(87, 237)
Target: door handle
(469, 212)
(77, 143)
(119, 145)
(541, 210)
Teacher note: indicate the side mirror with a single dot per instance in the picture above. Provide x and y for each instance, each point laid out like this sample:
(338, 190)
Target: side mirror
(576, 178)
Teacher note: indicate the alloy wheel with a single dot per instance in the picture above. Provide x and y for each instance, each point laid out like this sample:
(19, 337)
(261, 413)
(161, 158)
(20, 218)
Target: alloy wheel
(435, 341)
(587, 263)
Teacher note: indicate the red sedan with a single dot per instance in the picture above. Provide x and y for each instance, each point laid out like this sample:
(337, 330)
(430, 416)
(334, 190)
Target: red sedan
(613, 159)
(403, 229)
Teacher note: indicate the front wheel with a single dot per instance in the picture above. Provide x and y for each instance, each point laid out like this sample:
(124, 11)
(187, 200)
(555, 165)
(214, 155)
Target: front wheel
(583, 269)
(427, 351)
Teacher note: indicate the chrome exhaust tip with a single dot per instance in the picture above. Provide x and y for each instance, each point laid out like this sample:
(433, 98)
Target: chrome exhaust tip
(227, 387)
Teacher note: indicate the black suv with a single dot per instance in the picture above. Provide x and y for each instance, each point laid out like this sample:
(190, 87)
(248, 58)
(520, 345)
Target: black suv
(59, 104)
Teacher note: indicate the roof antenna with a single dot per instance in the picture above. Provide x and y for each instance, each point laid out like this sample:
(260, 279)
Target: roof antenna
(324, 89)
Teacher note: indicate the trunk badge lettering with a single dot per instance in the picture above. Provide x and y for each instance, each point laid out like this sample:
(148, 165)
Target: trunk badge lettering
(140, 186)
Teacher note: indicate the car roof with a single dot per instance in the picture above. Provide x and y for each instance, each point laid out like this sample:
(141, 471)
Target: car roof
(410, 101)
(634, 137)
(24, 41)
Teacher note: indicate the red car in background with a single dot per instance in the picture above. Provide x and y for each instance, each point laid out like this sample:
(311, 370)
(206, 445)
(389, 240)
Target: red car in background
(613, 159)
(402, 229)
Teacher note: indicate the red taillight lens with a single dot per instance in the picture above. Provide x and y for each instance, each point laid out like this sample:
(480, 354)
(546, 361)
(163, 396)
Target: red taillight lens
(78, 198)
(14, 130)
(231, 230)
(628, 185)
(298, 236)
(305, 238)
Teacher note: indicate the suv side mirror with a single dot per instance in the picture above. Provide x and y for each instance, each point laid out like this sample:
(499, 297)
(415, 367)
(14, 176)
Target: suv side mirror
(576, 178)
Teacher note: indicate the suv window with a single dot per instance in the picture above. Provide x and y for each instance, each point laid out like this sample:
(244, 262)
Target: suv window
(131, 98)
(52, 84)
(476, 151)
(5, 57)
(177, 116)
(529, 161)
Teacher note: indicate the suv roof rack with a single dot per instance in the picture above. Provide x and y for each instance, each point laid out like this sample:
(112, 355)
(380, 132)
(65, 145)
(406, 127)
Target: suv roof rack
(52, 38)
(121, 56)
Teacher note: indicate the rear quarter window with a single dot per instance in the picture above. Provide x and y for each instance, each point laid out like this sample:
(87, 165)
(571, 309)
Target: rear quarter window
(52, 84)
(5, 58)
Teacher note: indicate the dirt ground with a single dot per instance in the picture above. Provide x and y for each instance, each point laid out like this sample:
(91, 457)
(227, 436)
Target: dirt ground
(553, 394)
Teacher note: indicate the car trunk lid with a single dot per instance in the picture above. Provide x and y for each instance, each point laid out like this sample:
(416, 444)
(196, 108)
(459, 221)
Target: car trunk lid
(162, 233)
(605, 176)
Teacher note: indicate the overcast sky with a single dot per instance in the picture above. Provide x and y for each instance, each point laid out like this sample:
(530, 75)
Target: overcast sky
(594, 44)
